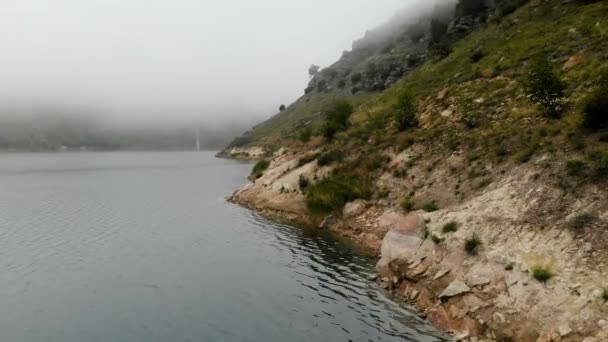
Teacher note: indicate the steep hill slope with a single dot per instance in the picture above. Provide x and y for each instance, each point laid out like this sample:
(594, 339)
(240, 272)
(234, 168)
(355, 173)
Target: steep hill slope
(480, 175)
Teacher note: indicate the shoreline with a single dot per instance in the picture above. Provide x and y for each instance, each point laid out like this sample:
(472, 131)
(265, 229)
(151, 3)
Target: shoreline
(490, 296)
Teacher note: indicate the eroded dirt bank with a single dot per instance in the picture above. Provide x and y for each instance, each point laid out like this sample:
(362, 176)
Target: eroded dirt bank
(491, 293)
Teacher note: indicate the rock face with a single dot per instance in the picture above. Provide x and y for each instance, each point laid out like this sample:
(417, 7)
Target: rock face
(353, 209)
(403, 238)
(455, 288)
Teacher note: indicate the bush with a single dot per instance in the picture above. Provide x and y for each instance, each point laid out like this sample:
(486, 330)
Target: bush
(259, 168)
(305, 134)
(405, 111)
(307, 159)
(406, 204)
(542, 273)
(471, 244)
(329, 157)
(430, 206)
(545, 87)
(450, 227)
(581, 221)
(476, 56)
(605, 294)
(470, 7)
(356, 78)
(303, 183)
(438, 30)
(574, 167)
(333, 192)
(436, 239)
(337, 118)
(595, 115)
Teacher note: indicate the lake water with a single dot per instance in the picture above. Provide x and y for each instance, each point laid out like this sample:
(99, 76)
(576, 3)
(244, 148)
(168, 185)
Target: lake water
(144, 247)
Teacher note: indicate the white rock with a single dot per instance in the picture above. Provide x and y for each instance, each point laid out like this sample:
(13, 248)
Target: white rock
(564, 329)
(455, 288)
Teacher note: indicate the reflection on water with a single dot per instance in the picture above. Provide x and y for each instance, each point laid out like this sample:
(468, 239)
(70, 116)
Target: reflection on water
(143, 247)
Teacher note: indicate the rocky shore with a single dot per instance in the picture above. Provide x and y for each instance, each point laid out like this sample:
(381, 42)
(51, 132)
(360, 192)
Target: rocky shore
(488, 293)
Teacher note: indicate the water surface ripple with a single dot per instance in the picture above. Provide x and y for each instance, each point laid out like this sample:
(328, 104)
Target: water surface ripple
(143, 247)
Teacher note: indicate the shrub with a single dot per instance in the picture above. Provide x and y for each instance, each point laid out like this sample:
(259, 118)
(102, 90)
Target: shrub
(476, 56)
(545, 87)
(333, 192)
(450, 227)
(436, 239)
(574, 167)
(542, 273)
(405, 111)
(605, 294)
(337, 118)
(471, 244)
(581, 221)
(303, 183)
(282, 108)
(259, 168)
(406, 204)
(307, 159)
(470, 7)
(356, 78)
(595, 115)
(329, 157)
(430, 206)
(305, 134)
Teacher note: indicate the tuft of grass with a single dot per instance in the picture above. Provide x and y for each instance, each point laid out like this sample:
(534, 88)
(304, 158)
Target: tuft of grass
(431, 206)
(574, 167)
(333, 192)
(581, 221)
(509, 266)
(450, 227)
(542, 273)
(259, 168)
(472, 243)
(436, 239)
(407, 204)
(605, 294)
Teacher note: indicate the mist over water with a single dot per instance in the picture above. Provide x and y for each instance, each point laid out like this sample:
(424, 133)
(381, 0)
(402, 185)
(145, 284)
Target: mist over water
(106, 70)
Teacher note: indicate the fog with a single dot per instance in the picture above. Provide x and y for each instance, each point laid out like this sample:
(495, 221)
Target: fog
(132, 61)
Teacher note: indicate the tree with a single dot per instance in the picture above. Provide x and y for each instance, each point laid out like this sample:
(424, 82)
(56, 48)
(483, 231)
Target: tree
(405, 111)
(282, 108)
(545, 87)
(313, 70)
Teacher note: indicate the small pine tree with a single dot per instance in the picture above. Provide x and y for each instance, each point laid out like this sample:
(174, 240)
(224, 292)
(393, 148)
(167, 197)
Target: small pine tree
(545, 87)
(405, 111)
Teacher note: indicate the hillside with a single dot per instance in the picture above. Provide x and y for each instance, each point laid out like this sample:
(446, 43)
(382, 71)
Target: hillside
(471, 153)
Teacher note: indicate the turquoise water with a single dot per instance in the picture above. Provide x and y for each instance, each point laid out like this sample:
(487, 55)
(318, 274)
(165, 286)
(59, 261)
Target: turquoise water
(144, 247)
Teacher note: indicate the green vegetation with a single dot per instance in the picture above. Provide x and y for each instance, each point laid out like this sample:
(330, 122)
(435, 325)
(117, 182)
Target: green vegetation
(407, 204)
(405, 111)
(545, 87)
(305, 134)
(333, 192)
(430, 206)
(259, 168)
(542, 273)
(436, 239)
(472, 243)
(582, 221)
(596, 106)
(303, 183)
(329, 157)
(605, 294)
(337, 118)
(575, 167)
(450, 227)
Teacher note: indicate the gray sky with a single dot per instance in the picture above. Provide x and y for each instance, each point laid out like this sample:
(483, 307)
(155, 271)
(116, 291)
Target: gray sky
(172, 57)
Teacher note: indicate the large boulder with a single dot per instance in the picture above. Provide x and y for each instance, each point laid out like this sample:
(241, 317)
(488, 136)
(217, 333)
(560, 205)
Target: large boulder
(403, 239)
(352, 209)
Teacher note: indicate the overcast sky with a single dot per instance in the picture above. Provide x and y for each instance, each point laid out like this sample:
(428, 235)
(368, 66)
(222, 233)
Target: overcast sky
(174, 57)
